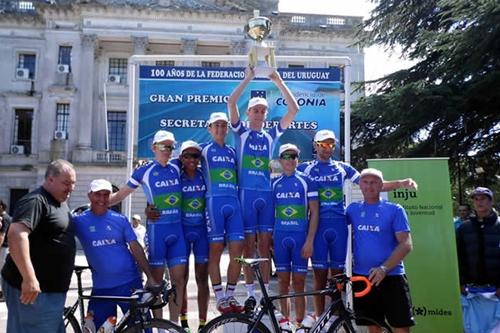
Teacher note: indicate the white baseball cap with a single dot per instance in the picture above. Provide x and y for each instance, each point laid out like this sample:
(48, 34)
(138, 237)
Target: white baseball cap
(136, 217)
(163, 135)
(216, 116)
(257, 101)
(324, 135)
(189, 144)
(100, 184)
(372, 172)
(288, 146)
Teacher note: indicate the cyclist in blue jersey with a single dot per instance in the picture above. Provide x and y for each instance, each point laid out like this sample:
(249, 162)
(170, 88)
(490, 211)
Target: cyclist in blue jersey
(160, 181)
(254, 147)
(330, 244)
(195, 227)
(112, 251)
(224, 221)
(381, 240)
(296, 219)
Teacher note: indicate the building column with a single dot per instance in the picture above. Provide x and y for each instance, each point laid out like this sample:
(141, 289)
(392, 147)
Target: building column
(87, 91)
(189, 46)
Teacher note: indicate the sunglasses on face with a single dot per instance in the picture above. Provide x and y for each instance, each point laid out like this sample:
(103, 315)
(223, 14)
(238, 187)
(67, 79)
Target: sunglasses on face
(162, 147)
(289, 156)
(325, 145)
(191, 155)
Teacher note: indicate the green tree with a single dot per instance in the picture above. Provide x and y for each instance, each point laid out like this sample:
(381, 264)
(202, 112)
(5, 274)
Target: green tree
(447, 103)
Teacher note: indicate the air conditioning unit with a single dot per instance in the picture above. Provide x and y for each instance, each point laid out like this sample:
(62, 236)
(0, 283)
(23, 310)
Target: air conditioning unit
(17, 149)
(60, 135)
(62, 68)
(114, 78)
(22, 73)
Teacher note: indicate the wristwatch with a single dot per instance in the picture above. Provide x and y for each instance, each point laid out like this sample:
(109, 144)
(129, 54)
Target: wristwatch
(383, 268)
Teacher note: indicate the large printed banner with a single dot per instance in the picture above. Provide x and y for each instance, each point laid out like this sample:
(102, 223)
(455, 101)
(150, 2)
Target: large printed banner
(180, 99)
(432, 266)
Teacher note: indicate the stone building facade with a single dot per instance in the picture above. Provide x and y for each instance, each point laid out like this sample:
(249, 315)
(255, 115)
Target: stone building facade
(65, 62)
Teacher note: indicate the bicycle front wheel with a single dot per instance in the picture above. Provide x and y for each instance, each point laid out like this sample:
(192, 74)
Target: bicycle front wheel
(233, 323)
(154, 326)
(71, 325)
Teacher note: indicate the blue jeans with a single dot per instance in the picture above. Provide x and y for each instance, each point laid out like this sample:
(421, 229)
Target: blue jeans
(46, 315)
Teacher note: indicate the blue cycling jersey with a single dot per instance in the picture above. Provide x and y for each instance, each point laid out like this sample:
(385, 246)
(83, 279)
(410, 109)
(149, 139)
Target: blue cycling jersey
(193, 199)
(255, 150)
(374, 228)
(219, 170)
(330, 177)
(162, 187)
(105, 239)
(291, 196)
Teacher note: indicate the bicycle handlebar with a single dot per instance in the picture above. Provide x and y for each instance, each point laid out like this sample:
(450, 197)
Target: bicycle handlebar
(368, 285)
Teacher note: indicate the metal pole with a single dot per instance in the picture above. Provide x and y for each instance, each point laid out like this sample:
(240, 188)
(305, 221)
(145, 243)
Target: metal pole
(130, 129)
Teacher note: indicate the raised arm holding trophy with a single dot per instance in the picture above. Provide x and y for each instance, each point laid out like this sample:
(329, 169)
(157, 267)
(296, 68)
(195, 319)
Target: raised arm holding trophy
(261, 57)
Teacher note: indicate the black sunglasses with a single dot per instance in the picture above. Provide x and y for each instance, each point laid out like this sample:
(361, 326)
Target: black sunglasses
(289, 156)
(191, 155)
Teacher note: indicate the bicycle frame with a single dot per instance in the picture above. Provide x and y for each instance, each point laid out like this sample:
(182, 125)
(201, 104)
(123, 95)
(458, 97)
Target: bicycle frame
(267, 305)
(134, 313)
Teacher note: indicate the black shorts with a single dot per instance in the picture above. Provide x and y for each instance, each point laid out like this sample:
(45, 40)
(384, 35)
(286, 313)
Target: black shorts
(389, 301)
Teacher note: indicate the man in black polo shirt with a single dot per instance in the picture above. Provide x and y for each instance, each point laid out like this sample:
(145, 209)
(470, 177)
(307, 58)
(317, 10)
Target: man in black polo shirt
(37, 273)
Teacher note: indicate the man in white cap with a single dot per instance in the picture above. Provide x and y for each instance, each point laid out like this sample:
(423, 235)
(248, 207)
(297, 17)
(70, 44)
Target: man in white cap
(112, 251)
(224, 221)
(295, 199)
(381, 240)
(330, 245)
(160, 181)
(139, 229)
(255, 148)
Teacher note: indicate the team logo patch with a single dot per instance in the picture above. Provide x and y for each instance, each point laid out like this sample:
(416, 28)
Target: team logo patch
(329, 194)
(227, 175)
(108, 227)
(171, 200)
(92, 228)
(289, 211)
(195, 204)
(155, 173)
(257, 162)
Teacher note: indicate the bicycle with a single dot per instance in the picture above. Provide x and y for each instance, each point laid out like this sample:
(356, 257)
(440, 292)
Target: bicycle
(138, 317)
(343, 318)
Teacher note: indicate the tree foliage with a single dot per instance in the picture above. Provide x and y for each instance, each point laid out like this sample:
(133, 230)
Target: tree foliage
(448, 102)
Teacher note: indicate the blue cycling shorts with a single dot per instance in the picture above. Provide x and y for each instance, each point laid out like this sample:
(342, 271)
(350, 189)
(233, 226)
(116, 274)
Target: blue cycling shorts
(257, 210)
(224, 219)
(166, 244)
(196, 237)
(287, 247)
(330, 243)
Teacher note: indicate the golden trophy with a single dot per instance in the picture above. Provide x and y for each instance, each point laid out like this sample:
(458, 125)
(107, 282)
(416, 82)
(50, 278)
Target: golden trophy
(261, 57)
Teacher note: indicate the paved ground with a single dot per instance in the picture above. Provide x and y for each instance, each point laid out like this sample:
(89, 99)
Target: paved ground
(193, 313)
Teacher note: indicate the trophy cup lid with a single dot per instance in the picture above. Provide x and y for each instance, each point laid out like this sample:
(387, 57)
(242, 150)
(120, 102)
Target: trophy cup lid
(258, 28)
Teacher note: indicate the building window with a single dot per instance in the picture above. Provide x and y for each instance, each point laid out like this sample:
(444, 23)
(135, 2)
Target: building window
(335, 21)
(169, 63)
(118, 66)
(117, 128)
(210, 64)
(62, 116)
(65, 56)
(23, 122)
(28, 61)
(298, 19)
